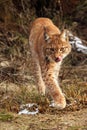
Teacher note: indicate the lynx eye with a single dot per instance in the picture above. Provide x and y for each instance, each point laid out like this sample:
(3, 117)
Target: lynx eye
(62, 49)
(52, 49)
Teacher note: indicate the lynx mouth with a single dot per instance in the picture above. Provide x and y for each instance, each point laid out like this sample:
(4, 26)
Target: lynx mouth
(58, 59)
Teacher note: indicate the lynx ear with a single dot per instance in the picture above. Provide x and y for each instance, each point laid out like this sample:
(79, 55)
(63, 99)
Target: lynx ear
(46, 36)
(64, 35)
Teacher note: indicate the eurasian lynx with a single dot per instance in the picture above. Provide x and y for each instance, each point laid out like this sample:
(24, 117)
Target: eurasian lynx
(49, 47)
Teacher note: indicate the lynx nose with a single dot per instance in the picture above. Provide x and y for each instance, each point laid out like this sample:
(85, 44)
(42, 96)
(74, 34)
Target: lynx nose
(59, 58)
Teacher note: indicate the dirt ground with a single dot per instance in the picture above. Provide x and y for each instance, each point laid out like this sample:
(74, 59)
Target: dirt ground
(76, 120)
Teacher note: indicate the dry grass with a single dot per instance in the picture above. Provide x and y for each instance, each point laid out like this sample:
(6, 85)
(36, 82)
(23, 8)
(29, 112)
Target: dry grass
(75, 91)
(17, 76)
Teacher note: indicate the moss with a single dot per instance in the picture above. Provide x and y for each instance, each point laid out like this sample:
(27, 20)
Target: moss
(76, 128)
(6, 117)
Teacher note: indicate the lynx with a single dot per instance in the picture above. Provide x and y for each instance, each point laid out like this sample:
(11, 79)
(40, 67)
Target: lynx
(49, 46)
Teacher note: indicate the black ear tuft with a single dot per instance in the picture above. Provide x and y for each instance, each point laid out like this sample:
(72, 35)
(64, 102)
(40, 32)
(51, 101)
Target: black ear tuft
(64, 35)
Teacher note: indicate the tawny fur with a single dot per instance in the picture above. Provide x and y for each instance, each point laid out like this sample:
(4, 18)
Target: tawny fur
(48, 47)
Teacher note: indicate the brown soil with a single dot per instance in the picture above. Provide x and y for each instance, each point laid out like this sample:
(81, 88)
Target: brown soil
(76, 120)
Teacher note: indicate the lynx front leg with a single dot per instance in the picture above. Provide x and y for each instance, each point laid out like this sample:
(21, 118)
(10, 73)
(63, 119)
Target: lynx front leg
(40, 83)
(55, 91)
(38, 75)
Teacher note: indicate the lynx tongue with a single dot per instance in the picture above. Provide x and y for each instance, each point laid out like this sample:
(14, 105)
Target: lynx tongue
(58, 59)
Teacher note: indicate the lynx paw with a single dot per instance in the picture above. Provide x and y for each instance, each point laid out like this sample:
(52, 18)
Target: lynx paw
(59, 104)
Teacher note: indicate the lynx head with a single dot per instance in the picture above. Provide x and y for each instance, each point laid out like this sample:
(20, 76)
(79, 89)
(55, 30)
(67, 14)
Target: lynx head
(56, 46)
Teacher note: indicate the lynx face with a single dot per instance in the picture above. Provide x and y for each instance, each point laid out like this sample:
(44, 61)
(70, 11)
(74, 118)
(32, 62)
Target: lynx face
(56, 47)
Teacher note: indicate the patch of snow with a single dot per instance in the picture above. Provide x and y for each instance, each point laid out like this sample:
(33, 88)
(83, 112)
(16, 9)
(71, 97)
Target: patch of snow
(26, 107)
(77, 44)
(25, 111)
